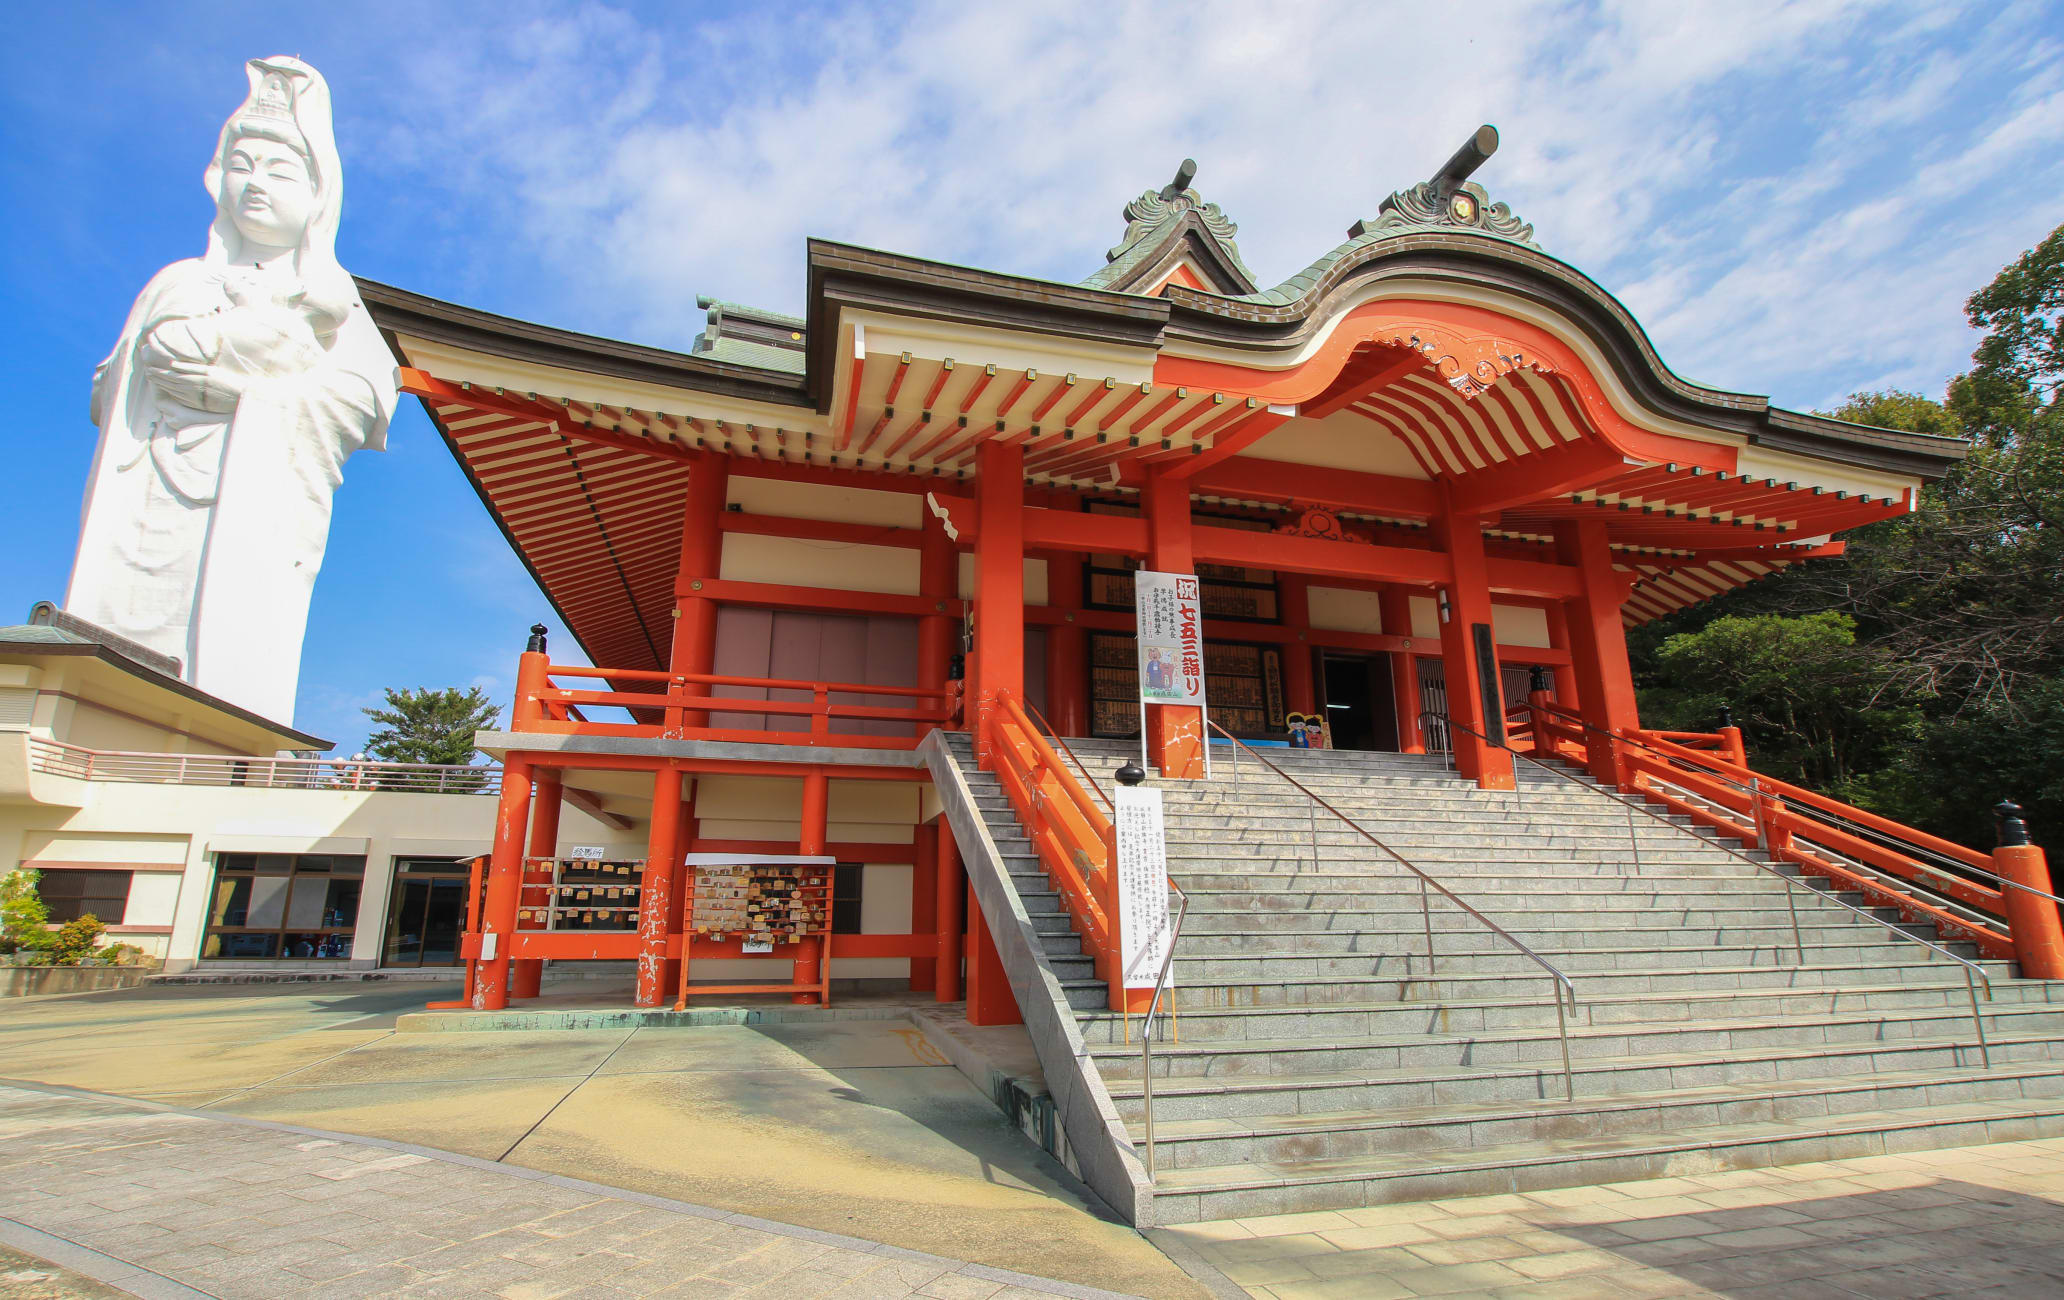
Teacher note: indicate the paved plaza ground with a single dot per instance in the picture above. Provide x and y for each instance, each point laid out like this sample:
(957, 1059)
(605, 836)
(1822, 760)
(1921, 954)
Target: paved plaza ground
(797, 1161)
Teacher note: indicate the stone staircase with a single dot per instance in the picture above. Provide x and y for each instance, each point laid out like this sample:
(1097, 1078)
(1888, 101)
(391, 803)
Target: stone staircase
(1318, 1061)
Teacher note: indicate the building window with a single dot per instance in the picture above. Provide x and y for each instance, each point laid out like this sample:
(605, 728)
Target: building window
(296, 906)
(72, 894)
(845, 897)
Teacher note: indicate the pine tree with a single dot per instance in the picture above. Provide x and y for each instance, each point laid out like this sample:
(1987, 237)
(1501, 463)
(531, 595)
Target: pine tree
(430, 726)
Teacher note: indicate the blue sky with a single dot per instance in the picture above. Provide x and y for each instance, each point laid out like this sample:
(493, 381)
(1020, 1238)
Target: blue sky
(1794, 199)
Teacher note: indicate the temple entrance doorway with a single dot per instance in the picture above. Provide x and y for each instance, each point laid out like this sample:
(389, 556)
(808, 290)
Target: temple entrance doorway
(1361, 712)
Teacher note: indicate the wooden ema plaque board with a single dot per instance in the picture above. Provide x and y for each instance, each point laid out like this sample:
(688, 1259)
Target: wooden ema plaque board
(562, 895)
(770, 905)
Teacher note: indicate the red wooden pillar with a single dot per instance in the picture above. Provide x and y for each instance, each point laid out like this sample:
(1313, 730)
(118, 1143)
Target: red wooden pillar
(950, 888)
(1564, 681)
(1067, 643)
(989, 997)
(678, 921)
(702, 556)
(1469, 655)
(527, 975)
(924, 902)
(1293, 607)
(1394, 604)
(938, 580)
(1175, 733)
(656, 892)
(999, 584)
(504, 887)
(1598, 642)
(813, 840)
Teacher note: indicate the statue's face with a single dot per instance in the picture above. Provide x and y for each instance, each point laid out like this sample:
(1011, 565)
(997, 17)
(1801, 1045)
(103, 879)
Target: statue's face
(267, 191)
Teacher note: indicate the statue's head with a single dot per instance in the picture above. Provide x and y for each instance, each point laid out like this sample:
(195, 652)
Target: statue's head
(275, 176)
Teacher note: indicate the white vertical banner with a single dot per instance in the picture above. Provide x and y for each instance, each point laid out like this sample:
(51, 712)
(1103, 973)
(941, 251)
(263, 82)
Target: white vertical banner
(1168, 609)
(1142, 876)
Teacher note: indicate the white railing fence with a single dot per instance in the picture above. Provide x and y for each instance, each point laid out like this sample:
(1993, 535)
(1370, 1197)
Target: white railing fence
(59, 759)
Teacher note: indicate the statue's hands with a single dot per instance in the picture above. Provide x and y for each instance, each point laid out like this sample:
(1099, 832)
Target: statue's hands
(191, 383)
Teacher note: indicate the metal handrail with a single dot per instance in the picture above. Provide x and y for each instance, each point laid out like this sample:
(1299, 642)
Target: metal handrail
(1566, 989)
(1182, 909)
(1835, 820)
(1971, 968)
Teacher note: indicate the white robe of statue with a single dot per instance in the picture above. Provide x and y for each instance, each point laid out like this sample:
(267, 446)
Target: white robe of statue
(242, 381)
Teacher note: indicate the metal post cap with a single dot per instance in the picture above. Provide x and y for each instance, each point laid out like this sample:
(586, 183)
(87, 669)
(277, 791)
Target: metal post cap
(536, 644)
(1131, 774)
(2012, 831)
(1537, 679)
(1726, 717)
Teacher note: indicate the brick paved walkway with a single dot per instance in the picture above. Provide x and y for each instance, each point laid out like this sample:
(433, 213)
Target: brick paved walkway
(1977, 1223)
(161, 1203)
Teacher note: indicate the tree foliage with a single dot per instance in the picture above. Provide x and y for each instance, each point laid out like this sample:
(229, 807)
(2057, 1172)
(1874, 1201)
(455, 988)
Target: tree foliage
(1946, 693)
(23, 918)
(430, 726)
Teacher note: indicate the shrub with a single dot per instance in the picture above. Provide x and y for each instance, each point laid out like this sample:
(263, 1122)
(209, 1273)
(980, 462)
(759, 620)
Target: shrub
(77, 941)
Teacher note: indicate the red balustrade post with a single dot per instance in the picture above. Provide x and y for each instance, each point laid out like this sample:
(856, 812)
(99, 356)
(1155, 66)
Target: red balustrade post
(531, 678)
(504, 887)
(2032, 920)
(813, 840)
(951, 888)
(938, 580)
(656, 886)
(1731, 746)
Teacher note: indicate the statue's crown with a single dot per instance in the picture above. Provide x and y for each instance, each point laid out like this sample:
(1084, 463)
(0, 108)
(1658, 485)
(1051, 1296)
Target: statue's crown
(277, 85)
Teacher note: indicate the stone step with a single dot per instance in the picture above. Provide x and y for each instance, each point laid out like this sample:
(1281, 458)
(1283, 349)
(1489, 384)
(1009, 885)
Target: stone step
(1540, 1083)
(1456, 934)
(1282, 1056)
(1230, 1191)
(1445, 1131)
(1340, 1021)
(1201, 925)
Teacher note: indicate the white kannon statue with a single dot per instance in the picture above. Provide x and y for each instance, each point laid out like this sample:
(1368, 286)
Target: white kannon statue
(242, 381)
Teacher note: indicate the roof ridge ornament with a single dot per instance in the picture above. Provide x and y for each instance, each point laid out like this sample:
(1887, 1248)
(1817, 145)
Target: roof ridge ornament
(1450, 201)
(1155, 210)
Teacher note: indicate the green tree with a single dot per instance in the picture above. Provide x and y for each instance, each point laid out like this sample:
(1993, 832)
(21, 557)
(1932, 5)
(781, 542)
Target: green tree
(1957, 607)
(430, 726)
(23, 917)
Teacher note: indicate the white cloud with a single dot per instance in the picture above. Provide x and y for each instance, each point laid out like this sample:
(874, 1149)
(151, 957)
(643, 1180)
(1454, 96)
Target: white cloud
(1794, 197)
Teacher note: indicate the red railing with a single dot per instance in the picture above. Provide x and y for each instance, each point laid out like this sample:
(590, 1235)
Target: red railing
(683, 703)
(1073, 837)
(1703, 775)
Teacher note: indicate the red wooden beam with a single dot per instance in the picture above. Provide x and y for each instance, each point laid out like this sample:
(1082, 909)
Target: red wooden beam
(853, 386)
